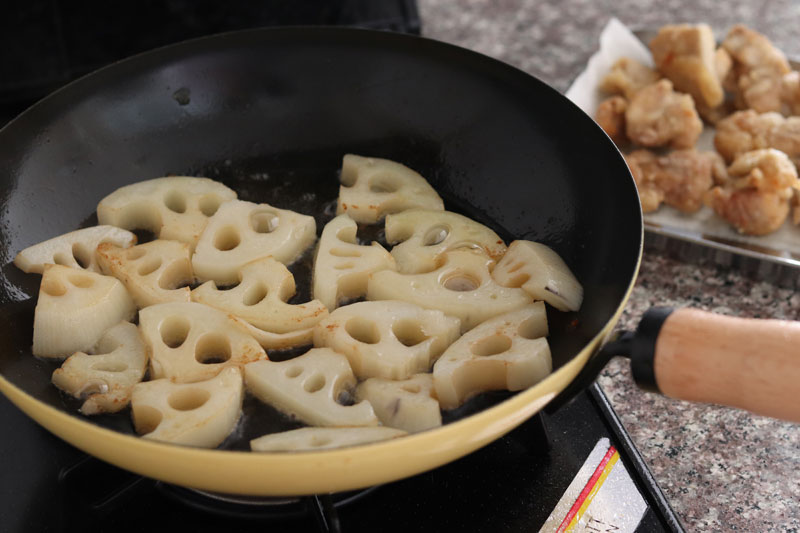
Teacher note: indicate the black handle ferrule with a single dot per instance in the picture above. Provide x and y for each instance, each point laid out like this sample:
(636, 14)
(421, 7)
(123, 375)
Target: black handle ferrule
(643, 347)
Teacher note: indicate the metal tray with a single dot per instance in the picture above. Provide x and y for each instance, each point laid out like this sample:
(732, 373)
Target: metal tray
(756, 257)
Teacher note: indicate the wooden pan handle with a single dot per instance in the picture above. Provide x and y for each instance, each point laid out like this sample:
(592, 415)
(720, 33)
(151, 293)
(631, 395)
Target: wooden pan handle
(753, 364)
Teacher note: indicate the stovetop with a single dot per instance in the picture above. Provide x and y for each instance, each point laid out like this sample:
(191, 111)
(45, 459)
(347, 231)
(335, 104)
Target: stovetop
(510, 485)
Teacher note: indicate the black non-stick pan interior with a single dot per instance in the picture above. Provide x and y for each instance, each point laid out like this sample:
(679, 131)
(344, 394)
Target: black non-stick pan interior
(271, 112)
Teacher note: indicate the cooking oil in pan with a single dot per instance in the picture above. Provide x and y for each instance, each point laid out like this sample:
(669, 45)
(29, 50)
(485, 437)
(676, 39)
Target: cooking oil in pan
(311, 191)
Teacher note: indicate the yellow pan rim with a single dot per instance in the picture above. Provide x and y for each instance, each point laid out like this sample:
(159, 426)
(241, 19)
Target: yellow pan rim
(300, 473)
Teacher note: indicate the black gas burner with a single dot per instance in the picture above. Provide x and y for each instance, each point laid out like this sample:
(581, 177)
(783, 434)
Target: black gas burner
(323, 508)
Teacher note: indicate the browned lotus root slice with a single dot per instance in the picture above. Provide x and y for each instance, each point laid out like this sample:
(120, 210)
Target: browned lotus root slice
(199, 414)
(260, 299)
(342, 266)
(191, 342)
(541, 273)
(310, 439)
(74, 249)
(410, 404)
(507, 352)
(75, 308)
(309, 387)
(106, 379)
(372, 188)
(155, 272)
(173, 208)
(462, 287)
(241, 232)
(387, 339)
(424, 235)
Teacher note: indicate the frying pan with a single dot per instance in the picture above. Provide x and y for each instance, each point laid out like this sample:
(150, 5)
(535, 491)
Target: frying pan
(270, 113)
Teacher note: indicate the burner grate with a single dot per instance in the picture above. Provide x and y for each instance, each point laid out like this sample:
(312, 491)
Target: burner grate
(97, 490)
(323, 507)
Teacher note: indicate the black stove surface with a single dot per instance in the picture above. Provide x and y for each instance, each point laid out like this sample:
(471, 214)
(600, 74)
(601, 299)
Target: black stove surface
(511, 485)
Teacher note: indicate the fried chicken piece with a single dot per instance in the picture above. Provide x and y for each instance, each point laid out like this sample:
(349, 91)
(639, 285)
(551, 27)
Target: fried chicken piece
(718, 169)
(744, 131)
(766, 170)
(723, 66)
(611, 117)
(685, 175)
(627, 77)
(786, 138)
(643, 165)
(758, 67)
(684, 53)
(750, 211)
(714, 115)
(756, 199)
(790, 93)
(658, 116)
(679, 179)
(795, 204)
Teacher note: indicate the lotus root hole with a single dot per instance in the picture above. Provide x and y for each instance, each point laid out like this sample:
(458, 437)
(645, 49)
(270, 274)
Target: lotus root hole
(150, 266)
(82, 256)
(255, 294)
(384, 184)
(227, 239)
(413, 389)
(344, 266)
(175, 276)
(363, 330)
(92, 387)
(435, 235)
(146, 419)
(532, 328)
(61, 259)
(83, 282)
(314, 383)
(135, 253)
(264, 221)
(460, 282)
(174, 331)
(212, 348)
(227, 287)
(341, 252)
(54, 287)
(175, 201)
(209, 204)
(189, 398)
(518, 281)
(409, 332)
(294, 371)
(348, 177)
(491, 345)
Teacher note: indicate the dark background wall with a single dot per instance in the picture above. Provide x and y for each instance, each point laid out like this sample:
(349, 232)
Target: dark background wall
(46, 43)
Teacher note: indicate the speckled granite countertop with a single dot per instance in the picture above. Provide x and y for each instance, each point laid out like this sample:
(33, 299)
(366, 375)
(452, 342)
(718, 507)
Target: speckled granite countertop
(721, 469)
